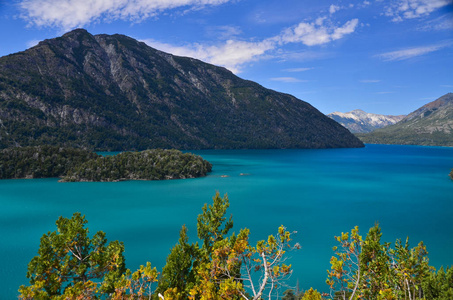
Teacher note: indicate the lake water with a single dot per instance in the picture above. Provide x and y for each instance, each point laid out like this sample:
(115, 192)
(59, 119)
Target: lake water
(318, 193)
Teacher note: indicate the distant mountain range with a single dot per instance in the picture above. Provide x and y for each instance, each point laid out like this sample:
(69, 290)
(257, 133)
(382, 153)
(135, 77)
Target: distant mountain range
(111, 92)
(358, 121)
(430, 125)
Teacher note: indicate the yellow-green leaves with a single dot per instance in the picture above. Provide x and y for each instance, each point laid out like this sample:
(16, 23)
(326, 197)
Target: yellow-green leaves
(369, 269)
(69, 261)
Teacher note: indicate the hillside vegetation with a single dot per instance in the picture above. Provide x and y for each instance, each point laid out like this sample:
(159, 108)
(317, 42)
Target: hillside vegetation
(146, 165)
(430, 125)
(40, 161)
(82, 165)
(114, 93)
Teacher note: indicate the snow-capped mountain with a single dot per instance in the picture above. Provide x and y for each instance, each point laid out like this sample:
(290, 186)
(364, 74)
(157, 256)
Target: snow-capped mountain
(358, 121)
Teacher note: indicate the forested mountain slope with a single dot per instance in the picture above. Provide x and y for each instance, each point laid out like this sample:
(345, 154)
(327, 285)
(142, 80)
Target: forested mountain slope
(430, 125)
(111, 92)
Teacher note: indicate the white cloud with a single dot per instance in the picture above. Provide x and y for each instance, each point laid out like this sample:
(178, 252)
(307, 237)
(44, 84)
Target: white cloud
(317, 33)
(410, 9)
(231, 54)
(69, 14)
(287, 79)
(410, 52)
(334, 8)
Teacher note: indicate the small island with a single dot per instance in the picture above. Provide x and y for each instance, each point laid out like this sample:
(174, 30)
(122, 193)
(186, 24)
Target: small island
(72, 164)
(156, 164)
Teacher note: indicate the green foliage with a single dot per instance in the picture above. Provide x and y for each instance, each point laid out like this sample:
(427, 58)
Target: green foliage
(439, 286)
(69, 260)
(40, 161)
(178, 273)
(451, 174)
(210, 222)
(156, 164)
(369, 269)
(311, 294)
(82, 165)
(289, 295)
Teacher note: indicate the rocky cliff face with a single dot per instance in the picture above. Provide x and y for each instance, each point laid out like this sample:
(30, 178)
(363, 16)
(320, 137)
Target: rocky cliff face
(111, 92)
(358, 121)
(432, 125)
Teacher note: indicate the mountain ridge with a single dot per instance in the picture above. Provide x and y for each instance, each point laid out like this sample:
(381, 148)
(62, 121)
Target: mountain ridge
(359, 121)
(430, 125)
(111, 92)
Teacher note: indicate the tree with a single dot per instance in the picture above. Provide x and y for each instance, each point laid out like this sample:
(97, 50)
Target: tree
(375, 265)
(369, 269)
(223, 267)
(70, 262)
(137, 285)
(345, 274)
(209, 223)
(311, 294)
(409, 267)
(231, 272)
(178, 273)
(181, 272)
(439, 286)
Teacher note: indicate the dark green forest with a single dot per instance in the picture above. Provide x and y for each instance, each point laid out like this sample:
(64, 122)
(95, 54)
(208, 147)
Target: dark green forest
(40, 161)
(81, 165)
(223, 265)
(153, 164)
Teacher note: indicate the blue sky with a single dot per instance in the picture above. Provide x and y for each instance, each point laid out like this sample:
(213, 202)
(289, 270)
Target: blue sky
(386, 57)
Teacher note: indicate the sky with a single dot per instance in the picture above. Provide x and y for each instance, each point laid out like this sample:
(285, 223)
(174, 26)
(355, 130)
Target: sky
(382, 56)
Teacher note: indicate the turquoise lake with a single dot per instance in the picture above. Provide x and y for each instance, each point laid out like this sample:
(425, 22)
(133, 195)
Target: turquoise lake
(318, 193)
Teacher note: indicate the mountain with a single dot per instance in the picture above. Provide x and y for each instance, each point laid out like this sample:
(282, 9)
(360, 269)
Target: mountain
(430, 125)
(358, 121)
(111, 92)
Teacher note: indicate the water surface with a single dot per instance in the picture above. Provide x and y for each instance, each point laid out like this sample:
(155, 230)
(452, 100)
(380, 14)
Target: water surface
(318, 193)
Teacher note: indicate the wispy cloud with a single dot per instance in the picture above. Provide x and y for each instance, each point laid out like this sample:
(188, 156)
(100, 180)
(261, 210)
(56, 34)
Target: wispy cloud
(410, 52)
(223, 32)
(69, 14)
(383, 93)
(410, 9)
(297, 69)
(288, 79)
(32, 43)
(444, 22)
(370, 81)
(233, 53)
(230, 54)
